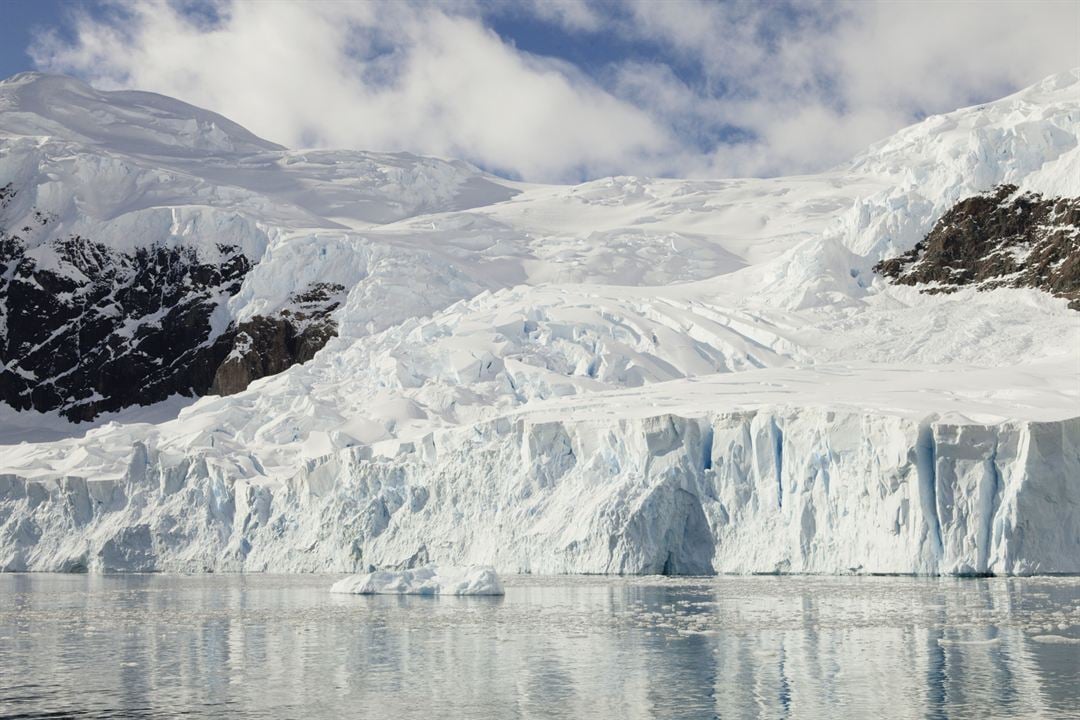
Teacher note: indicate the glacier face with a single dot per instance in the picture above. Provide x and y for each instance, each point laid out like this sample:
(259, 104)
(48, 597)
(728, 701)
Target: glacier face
(768, 490)
(625, 376)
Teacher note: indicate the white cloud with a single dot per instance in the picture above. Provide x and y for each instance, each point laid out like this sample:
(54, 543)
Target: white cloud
(386, 77)
(774, 88)
(574, 15)
(816, 82)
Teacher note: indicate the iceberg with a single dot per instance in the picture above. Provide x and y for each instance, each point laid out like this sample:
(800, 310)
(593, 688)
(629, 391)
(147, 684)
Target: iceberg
(428, 580)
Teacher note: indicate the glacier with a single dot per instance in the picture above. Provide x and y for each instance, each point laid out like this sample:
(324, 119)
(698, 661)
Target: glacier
(630, 375)
(788, 488)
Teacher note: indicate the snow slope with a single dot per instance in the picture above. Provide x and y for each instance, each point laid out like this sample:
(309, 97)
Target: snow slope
(629, 375)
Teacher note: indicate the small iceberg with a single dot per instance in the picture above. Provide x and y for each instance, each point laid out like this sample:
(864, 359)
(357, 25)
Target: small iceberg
(428, 580)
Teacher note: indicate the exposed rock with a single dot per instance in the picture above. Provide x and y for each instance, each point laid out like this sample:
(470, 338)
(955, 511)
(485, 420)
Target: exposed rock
(92, 330)
(86, 329)
(267, 345)
(1001, 239)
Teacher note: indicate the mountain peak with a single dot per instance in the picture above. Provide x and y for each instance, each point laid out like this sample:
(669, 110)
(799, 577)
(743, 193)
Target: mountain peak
(66, 108)
(36, 76)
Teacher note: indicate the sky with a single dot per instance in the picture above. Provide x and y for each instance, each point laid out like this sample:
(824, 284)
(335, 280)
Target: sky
(561, 90)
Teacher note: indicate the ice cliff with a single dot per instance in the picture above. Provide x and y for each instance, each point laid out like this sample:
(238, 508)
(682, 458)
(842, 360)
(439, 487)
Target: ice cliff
(783, 490)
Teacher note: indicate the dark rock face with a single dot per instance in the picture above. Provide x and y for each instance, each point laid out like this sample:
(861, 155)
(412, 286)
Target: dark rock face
(103, 330)
(1000, 239)
(86, 329)
(267, 345)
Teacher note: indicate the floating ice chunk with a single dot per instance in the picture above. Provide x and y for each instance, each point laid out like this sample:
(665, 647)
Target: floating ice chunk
(429, 580)
(1056, 639)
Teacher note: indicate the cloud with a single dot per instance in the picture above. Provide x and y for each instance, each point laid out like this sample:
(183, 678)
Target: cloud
(386, 77)
(812, 83)
(576, 15)
(688, 88)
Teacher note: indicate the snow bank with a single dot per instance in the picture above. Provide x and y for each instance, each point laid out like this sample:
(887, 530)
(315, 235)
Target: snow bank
(429, 580)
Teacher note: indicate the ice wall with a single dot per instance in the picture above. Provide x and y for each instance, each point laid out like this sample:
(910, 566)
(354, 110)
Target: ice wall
(769, 491)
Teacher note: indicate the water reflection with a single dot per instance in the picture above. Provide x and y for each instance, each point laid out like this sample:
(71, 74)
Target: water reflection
(265, 646)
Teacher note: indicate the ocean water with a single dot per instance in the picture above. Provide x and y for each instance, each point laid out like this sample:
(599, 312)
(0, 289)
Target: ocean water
(264, 646)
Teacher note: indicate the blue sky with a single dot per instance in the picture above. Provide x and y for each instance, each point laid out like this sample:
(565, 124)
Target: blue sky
(21, 17)
(560, 90)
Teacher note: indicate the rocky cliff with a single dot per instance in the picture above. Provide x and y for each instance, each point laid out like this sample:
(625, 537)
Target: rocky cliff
(1003, 238)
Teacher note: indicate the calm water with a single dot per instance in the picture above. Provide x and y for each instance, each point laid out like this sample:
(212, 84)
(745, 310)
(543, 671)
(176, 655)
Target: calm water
(283, 647)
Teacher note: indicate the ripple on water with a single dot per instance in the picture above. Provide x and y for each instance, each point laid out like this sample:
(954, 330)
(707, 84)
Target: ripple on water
(271, 646)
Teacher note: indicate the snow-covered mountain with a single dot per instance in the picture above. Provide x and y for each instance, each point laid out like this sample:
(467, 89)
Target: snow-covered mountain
(403, 359)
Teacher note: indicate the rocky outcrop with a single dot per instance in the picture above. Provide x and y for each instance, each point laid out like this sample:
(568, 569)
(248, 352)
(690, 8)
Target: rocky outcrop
(1004, 238)
(87, 329)
(268, 345)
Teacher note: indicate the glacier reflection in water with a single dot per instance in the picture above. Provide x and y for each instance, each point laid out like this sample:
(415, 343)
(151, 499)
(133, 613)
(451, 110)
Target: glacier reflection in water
(274, 646)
